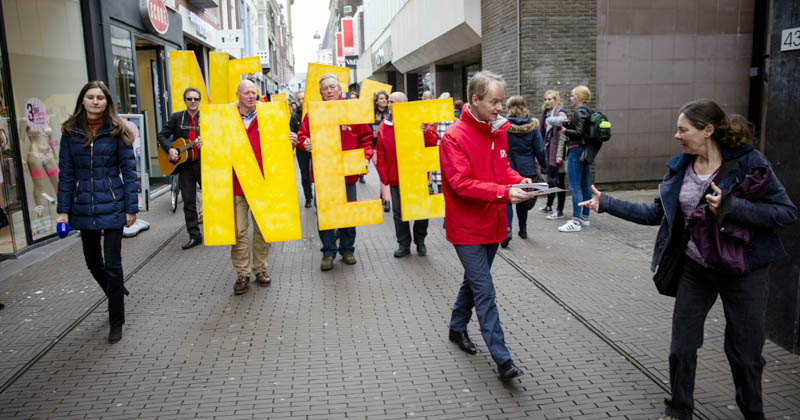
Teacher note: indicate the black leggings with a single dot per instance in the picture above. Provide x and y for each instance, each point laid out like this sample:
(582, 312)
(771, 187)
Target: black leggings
(562, 196)
(107, 271)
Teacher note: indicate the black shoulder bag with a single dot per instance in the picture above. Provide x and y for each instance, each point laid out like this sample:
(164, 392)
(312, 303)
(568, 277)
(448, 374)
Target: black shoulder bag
(668, 273)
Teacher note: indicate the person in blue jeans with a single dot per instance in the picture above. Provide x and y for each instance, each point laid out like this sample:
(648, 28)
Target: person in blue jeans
(716, 148)
(577, 171)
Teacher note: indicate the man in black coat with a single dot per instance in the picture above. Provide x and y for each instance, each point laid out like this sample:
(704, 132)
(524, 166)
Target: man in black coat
(303, 157)
(185, 124)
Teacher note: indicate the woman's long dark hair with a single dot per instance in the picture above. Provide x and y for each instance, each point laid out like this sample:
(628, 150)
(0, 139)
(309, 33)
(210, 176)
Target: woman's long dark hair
(375, 100)
(734, 132)
(79, 121)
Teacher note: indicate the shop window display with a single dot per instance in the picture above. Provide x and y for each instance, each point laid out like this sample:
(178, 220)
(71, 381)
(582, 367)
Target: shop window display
(47, 63)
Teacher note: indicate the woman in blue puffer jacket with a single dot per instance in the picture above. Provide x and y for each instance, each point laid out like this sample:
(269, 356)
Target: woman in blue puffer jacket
(524, 143)
(711, 141)
(97, 190)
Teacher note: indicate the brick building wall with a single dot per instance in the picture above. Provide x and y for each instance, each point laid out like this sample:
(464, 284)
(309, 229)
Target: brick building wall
(499, 41)
(557, 43)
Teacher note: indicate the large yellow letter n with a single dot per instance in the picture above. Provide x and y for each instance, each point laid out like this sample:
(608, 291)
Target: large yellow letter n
(272, 196)
(414, 160)
(331, 164)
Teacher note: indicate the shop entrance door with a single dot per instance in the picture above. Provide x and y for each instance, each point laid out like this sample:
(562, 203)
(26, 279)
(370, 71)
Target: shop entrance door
(150, 65)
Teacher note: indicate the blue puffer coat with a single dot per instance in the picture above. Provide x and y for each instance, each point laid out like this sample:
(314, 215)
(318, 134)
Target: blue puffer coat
(525, 143)
(90, 188)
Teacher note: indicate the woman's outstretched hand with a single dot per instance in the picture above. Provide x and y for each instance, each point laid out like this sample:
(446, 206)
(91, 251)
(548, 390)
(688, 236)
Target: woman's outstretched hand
(594, 203)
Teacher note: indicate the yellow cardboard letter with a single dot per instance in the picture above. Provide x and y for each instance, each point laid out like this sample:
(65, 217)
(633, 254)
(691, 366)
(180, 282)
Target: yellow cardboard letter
(369, 87)
(331, 164)
(414, 160)
(315, 71)
(185, 72)
(272, 196)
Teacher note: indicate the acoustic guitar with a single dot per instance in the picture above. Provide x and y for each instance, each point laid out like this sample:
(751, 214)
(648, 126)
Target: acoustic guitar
(185, 152)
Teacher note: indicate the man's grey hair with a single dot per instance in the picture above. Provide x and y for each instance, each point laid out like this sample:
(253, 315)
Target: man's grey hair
(329, 76)
(401, 97)
(479, 84)
(427, 95)
(444, 95)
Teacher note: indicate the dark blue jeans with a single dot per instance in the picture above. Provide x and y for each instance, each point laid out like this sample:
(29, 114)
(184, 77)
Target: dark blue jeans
(106, 268)
(401, 228)
(477, 291)
(744, 301)
(579, 182)
(347, 236)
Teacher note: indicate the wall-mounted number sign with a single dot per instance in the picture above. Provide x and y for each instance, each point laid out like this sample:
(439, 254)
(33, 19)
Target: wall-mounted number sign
(790, 39)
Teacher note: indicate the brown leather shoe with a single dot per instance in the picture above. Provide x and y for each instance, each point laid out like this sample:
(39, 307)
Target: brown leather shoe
(263, 279)
(349, 259)
(326, 264)
(241, 285)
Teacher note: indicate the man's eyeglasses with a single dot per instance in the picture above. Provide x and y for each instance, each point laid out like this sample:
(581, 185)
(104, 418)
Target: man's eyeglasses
(191, 99)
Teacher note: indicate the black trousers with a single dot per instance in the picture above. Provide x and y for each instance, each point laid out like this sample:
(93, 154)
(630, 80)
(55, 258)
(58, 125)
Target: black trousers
(401, 228)
(744, 300)
(562, 196)
(189, 177)
(106, 268)
(304, 162)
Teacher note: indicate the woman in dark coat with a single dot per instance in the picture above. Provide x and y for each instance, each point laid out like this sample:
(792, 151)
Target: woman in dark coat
(713, 143)
(524, 143)
(97, 191)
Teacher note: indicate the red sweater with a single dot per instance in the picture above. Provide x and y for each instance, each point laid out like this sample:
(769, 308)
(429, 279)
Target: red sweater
(355, 136)
(387, 151)
(476, 178)
(255, 143)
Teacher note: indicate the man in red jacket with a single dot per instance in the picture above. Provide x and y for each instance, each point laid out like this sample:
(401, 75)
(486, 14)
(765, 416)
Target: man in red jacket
(477, 180)
(354, 136)
(240, 251)
(387, 170)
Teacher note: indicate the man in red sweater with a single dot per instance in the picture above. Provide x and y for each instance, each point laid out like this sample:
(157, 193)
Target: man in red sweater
(354, 136)
(477, 180)
(387, 170)
(240, 251)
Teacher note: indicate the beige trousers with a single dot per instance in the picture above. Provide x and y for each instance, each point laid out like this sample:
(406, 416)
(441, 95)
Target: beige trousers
(240, 251)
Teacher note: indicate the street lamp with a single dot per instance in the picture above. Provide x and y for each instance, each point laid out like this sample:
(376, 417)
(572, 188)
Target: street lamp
(316, 35)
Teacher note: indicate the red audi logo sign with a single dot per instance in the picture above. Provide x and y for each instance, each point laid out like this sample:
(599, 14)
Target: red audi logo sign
(154, 15)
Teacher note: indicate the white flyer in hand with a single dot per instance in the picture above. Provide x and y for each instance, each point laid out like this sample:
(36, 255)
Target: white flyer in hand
(537, 188)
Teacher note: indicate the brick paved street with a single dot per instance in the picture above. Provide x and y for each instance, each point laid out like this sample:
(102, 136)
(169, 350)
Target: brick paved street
(366, 341)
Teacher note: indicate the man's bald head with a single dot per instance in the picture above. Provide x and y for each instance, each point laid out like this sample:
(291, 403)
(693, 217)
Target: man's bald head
(397, 97)
(248, 95)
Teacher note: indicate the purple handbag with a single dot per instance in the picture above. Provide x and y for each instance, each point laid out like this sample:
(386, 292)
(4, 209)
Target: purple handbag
(724, 245)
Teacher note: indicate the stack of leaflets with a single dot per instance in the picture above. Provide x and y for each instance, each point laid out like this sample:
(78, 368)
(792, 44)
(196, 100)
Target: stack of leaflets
(537, 188)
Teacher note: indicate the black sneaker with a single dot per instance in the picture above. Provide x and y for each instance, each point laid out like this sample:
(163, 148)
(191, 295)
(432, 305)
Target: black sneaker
(505, 242)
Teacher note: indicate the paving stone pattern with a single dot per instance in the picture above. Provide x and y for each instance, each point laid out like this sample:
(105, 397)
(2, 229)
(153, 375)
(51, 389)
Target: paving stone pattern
(363, 341)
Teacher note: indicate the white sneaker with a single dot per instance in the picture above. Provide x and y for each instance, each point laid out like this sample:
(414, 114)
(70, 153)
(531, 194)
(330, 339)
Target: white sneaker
(571, 226)
(545, 209)
(585, 222)
(555, 216)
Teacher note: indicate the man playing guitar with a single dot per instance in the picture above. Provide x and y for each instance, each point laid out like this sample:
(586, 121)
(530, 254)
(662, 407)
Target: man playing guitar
(185, 125)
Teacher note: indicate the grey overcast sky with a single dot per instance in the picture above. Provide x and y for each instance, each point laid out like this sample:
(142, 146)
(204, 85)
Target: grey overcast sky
(308, 16)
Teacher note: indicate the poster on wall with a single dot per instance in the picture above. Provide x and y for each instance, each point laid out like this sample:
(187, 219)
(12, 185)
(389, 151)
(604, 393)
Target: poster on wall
(136, 123)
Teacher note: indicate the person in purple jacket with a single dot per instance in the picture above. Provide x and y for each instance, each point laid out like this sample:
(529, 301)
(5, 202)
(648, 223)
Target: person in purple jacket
(713, 143)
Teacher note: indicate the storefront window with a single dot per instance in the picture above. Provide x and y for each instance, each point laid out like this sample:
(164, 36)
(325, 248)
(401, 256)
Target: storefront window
(48, 68)
(124, 75)
(12, 229)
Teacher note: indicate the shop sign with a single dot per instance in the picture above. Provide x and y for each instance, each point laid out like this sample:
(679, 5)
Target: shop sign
(201, 28)
(154, 15)
(36, 114)
(348, 37)
(351, 61)
(382, 55)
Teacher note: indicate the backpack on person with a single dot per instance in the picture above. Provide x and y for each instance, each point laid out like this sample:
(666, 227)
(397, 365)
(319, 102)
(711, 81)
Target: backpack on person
(598, 128)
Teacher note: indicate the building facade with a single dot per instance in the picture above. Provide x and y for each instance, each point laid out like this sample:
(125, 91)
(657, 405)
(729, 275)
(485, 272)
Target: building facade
(50, 48)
